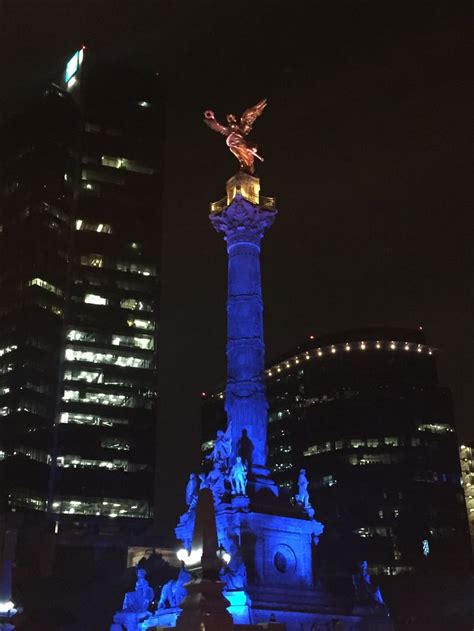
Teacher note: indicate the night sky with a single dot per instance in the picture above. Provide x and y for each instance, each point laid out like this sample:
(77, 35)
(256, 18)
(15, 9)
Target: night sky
(367, 151)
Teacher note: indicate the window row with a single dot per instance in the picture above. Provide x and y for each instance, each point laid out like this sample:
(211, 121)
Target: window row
(106, 398)
(355, 443)
(145, 342)
(106, 507)
(98, 260)
(124, 163)
(91, 419)
(126, 361)
(39, 282)
(8, 349)
(101, 377)
(71, 461)
(125, 303)
(89, 226)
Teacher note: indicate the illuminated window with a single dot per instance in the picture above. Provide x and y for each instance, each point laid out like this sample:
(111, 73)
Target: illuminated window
(147, 325)
(91, 419)
(84, 375)
(103, 506)
(391, 441)
(372, 442)
(8, 349)
(136, 268)
(99, 398)
(81, 224)
(339, 444)
(125, 163)
(4, 390)
(81, 336)
(329, 480)
(102, 175)
(425, 546)
(135, 305)
(435, 428)
(370, 459)
(73, 65)
(144, 342)
(93, 299)
(23, 500)
(4, 411)
(357, 442)
(118, 443)
(45, 285)
(127, 361)
(69, 460)
(317, 449)
(92, 260)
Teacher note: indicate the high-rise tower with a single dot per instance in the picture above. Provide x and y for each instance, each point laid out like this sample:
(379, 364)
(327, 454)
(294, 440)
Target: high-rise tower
(80, 252)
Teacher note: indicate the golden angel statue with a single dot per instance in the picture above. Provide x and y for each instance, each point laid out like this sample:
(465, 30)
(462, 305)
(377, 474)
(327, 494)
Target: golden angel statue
(236, 133)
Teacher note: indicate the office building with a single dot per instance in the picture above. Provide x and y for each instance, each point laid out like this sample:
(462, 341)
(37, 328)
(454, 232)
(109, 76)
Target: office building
(80, 253)
(364, 414)
(466, 455)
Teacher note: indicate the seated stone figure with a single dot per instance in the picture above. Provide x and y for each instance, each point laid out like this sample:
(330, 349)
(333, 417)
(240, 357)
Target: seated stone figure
(215, 481)
(139, 600)
(174, 592)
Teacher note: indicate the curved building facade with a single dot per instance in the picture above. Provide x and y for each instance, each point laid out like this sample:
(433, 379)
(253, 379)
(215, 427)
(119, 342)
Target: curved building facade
(363, 412)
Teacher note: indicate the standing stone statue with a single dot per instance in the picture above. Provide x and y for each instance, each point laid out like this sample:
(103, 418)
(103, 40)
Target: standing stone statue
(303, 496)
(238, 477)
(192, 490)
(365, 592)
(215, 481)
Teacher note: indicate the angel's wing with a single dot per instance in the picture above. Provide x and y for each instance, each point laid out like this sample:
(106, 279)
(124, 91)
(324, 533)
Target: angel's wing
(249, 116)
(213, 124)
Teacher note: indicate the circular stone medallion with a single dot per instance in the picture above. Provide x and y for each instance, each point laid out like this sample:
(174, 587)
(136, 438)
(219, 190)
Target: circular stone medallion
(284, 559)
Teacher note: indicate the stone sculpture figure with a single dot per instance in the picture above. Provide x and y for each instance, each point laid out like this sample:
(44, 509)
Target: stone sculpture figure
(236, 133)
(238, 477)
(192, 490)
(167, 597)
(173, 592)
(303, 496)
(365, 592)
(234, 575)
(139, 600)
(215, 481)
(222, 448)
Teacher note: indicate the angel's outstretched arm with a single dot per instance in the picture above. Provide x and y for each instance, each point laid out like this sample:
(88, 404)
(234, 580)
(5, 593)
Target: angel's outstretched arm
(211, 122)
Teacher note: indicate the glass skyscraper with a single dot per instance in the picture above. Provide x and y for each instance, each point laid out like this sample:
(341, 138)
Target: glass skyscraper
(80, 231)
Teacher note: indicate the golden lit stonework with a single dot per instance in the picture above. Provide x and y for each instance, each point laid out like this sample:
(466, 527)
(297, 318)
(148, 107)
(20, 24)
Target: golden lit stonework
(248, 186)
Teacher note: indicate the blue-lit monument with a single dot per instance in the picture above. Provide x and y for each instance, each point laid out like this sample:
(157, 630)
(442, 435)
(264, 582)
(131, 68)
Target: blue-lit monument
(271, 542)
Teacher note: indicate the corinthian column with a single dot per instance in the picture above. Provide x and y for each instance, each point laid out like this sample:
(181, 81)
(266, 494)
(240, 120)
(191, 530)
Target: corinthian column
(243, 218)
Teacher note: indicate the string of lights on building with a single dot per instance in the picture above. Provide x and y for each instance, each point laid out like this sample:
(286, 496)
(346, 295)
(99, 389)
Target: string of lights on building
(340, 348)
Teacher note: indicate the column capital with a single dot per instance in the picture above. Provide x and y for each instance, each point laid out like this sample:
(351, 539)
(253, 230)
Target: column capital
(243, 221)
